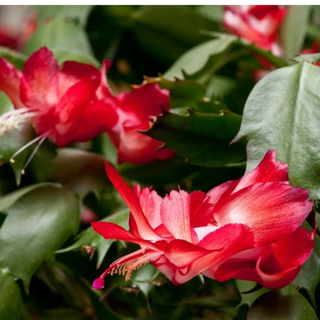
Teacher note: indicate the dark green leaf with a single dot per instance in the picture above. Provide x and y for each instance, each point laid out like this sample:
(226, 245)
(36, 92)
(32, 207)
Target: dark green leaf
(220, 86)
(9, 199)
(10, 296)
(293, 30)
(16, 58)
(158, 172)
(183, 93)
(248, 298)
(284, 304)
(81, 176)
(160, 35)
(281, 114)
(89, 239)
(36, 225)
(200, 59)
(59, 34)
(203, 139)
(63, 314)
(78, 14)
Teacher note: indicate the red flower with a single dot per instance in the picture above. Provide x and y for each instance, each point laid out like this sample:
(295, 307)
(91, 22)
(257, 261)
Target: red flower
(134, 110)
(246, 229)
(256, 24)
(60, 101)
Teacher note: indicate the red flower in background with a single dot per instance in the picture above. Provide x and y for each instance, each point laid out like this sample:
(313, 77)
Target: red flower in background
(60, 101)
(246, 229)
(16, 38)
(134, 110)
(256, 24)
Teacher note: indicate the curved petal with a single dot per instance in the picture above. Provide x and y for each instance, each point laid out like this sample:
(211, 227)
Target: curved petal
(104, 89)
(10, 82)
(72, 71)
(112, 231)
(201, 210)
(216, 247)
(76, 99)
(269, 170)
(150, 203)
(294, 249)
(272, 274)
(95, 118)
(39, 84)
(175, 215)
(271, 210)
(218, 193)
(132, 201)
(145, 101)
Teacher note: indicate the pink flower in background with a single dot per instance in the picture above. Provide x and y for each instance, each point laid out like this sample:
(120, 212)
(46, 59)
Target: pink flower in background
(258, 24)
(246, 229)
(134, 110)
(61, 102)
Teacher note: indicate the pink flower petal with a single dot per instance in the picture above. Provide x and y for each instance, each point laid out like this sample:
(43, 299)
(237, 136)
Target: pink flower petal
(220, 244)
(200, 209)
(96, 117)
(270, 209)
(175, 216)
(145, 101)
(150, 203)
(112, 231)
(72, 71)
(132, 201)
(294, 249)
(39, 85)
(272, 274)
(10, 82)
(269, 170)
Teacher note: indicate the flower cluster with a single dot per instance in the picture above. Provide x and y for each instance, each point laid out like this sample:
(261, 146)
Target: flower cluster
(246, 229)
(73, 103)
(256, 24)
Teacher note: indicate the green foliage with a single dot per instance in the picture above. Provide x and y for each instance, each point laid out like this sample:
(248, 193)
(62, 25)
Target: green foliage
(38, 231)
(59, 34)
(198, 60)
(200, 138)
(283, 304)
(293, 30)
(280, 114)
(90, 241)
(10, 296)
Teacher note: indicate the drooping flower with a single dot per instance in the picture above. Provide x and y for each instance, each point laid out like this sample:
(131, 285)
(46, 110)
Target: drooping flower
(61, 102)
(258, 24)
(247, 229)
(135, 110)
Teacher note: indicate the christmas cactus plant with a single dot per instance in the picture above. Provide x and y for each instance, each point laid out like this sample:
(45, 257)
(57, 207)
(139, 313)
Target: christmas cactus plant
(159, 162)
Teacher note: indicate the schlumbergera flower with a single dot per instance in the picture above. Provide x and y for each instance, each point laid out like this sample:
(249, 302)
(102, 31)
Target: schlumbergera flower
(246, 229)
(135, 110)
(62, 102)
(256, 24)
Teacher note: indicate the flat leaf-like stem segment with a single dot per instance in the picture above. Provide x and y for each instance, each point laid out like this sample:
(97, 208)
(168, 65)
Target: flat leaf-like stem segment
(37, 225)
(282, 113)
(201, 138)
